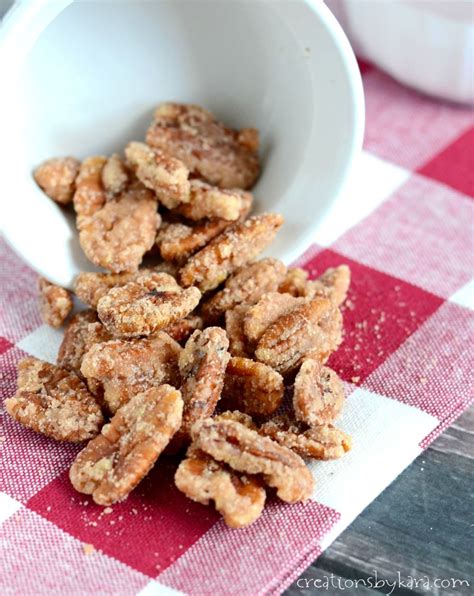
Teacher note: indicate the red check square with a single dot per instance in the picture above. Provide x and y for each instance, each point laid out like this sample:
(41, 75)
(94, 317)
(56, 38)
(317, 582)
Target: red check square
(148, 531)
(381, 312)
(454, 165)
(4, 345)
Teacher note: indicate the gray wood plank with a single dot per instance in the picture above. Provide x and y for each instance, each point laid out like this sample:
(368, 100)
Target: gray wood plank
(419, 526)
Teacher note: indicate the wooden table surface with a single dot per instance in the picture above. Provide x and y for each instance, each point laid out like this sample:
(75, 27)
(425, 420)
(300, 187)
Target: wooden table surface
(421, 526)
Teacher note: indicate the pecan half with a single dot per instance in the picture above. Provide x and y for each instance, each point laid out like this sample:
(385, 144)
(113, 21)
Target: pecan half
(54, 401)
(202, 365)
(127, 367)
(244, 450)
(234, 326)
(320, 442)
(313, 329)
(238, 497)
(252, 387)
(115, 175)
(213, 152)
(236, 246)
(57, 177)
(159, 171)
(206, 201)
(246, 286)
(55, 303)
(266, 311)
(83, 331)
(318, 394)
(91, 287)
(143, 306)
(113, 463)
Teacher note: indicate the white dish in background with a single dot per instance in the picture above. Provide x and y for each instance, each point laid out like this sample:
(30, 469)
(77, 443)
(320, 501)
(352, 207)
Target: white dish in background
(426, 44)
(82, 78)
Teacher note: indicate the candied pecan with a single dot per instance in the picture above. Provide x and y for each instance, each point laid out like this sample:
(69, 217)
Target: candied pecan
(113, 463)
(145, 305)
(266, 311)
(54, 401)
(57, 177)
(211, 202)
(318, 394)
(83, 331)
(238, 497)
(319, 442)
(127, 367)
(313, 330)
(332, 284)
(90, 195)
(244, 450)
(55, 303)
(117, 235)
(237, 416)
(202, 365)
(178, 241)
(115, 175)
(91, 287)
(246, 286)
(165, 175)
(252, 387)
(295, 282)
(234, 320)
(213, 152)
(182, 329)
(236, 246)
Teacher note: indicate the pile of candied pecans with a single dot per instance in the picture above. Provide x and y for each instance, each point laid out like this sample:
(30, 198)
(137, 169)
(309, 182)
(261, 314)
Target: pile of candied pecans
(208, 352)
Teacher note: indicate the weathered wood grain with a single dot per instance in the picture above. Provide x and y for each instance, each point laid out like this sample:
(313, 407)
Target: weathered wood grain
(421, 525)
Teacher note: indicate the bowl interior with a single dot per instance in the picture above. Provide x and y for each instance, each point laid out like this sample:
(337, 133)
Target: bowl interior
(94, 75)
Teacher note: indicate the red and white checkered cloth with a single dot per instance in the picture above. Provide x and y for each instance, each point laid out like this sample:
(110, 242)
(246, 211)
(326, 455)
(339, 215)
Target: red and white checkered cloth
(405, 227)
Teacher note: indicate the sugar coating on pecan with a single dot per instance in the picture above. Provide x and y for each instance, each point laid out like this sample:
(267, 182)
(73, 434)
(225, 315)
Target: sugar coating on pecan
(115, 175)
(127, 367)
(202, 365)
(246, 286)
(234, 326)
(83, 331)
(181, 330)
(252, 387)
(177, 241)
(90, 287)
(211, 202)
(295, 282)
(90, 195)
(55, 303)
(219, 155)
(238, 497)
(54, 401)
(318, 394)
(117, 235)
(143, 306)
(333, 284)
(313, 329)
(265, 312)
(233, 248)
(115, 461)
(244, 450)
(160, 172)
(319, 442)
(56, 177)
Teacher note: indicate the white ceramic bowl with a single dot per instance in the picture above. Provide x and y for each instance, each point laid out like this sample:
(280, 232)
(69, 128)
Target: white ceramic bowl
(82, 78)
(427, 44)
